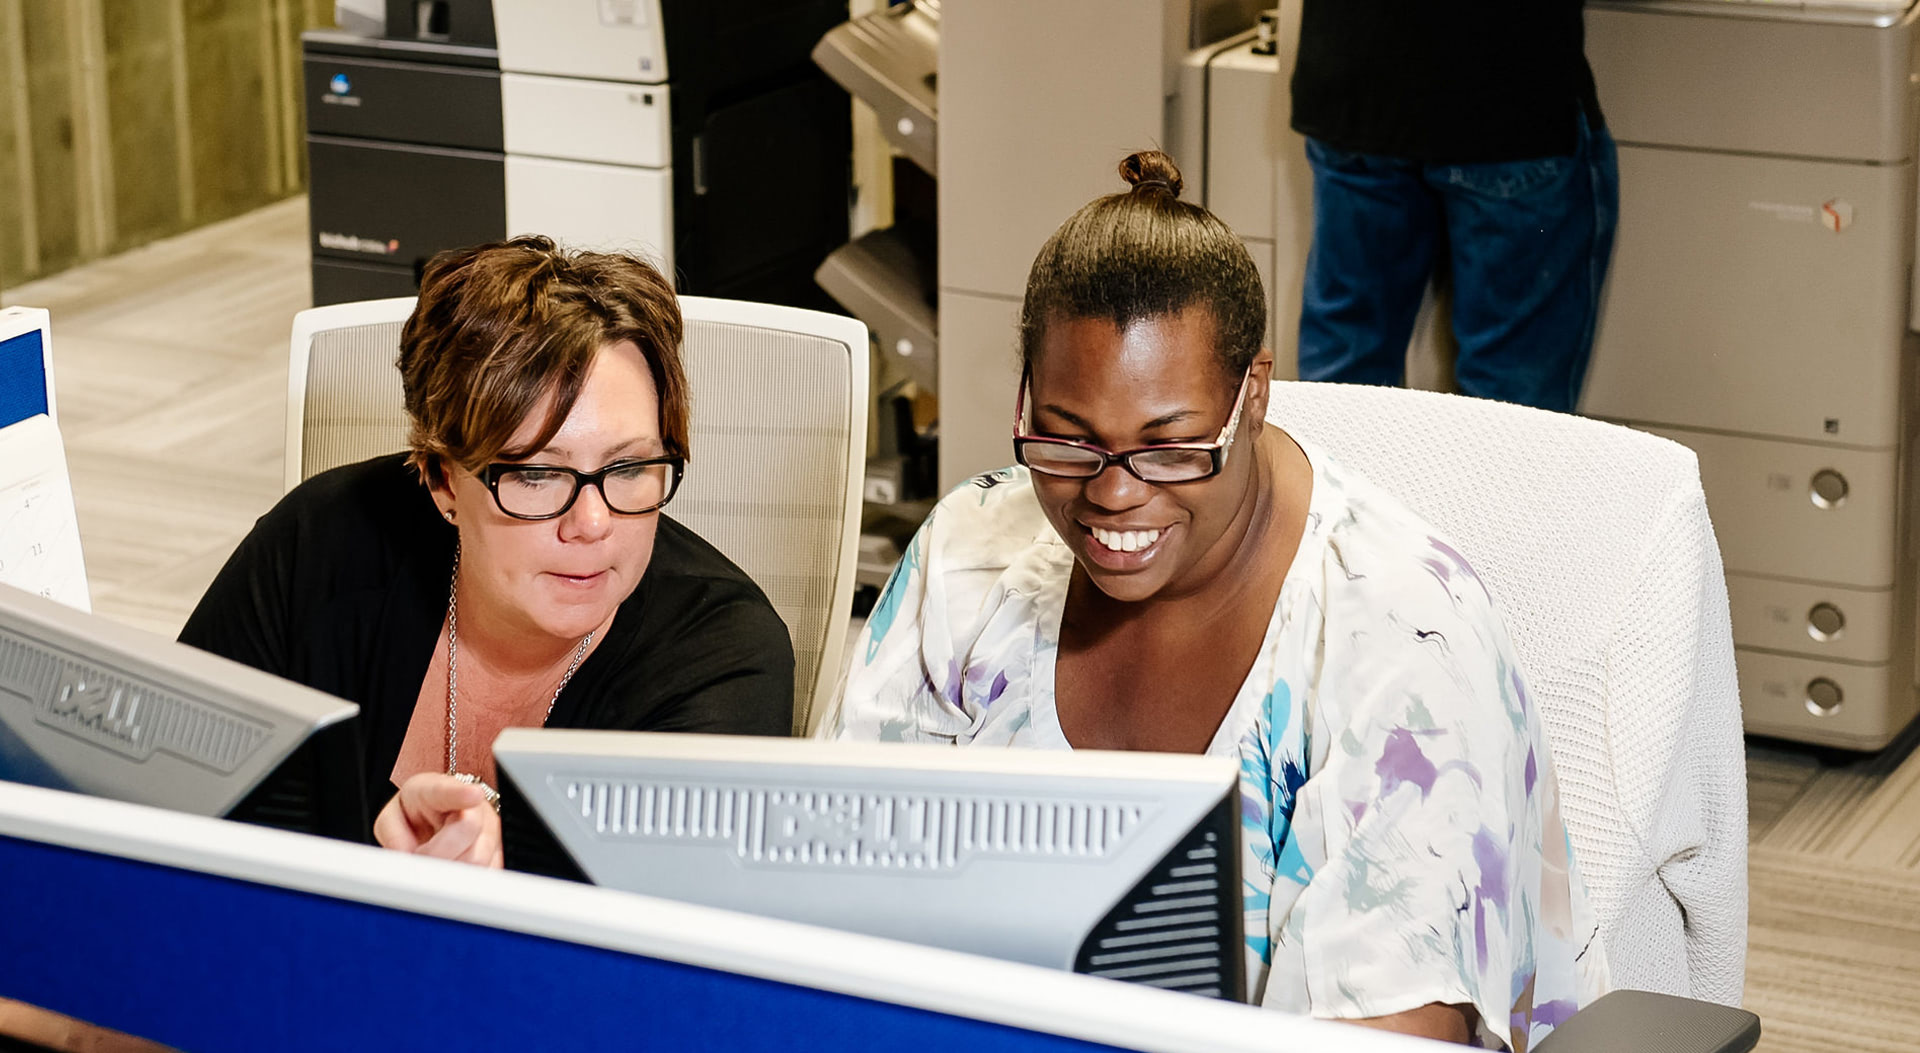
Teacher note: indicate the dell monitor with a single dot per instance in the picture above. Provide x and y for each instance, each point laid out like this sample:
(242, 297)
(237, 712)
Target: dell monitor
(94, 707)
(1122, 865)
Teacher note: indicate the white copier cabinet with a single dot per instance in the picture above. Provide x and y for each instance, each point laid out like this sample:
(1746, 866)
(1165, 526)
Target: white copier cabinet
(1758, 311)
(583, 100)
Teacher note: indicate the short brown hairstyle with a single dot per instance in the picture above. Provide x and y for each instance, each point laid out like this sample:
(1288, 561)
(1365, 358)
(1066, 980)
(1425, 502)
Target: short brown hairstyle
(499, 326)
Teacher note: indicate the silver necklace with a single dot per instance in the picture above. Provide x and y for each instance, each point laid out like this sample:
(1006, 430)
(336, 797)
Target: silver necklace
(453, 681)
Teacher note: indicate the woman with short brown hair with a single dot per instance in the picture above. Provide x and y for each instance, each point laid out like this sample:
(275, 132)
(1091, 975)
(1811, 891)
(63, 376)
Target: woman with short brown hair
(512, 568)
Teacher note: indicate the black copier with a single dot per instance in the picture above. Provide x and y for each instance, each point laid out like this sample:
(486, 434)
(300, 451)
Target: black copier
(696, 132)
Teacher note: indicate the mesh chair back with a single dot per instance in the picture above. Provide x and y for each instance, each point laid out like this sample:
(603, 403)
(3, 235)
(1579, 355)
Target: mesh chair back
(779, 454)
(1595, 542)
(778, 431)
(343, 387)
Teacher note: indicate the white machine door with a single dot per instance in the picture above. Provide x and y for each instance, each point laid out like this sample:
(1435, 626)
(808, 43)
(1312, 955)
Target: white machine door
(588, 163)
(615, 40)
(584, 205)
(586, 120)
(1765, 296)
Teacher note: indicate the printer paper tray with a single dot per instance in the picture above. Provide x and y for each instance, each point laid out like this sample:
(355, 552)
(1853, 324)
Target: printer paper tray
(888, 60)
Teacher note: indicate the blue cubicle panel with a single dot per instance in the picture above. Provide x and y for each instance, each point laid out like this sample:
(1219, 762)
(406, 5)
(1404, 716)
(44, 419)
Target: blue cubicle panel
(23, 377)
(208, 964)
(211, 936)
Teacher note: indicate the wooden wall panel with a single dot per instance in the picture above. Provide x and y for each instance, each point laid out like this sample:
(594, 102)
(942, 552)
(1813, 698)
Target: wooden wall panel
(144, 121)
(14, 213)
(226, 102)
(47, 38)
(122, 121)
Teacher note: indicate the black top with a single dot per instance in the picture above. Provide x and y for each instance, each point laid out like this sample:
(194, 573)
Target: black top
(1444, 81)
(342, 586)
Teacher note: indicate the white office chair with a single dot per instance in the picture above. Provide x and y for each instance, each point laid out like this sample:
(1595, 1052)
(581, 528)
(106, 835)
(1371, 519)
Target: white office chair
(779, 436)
(1595, 542)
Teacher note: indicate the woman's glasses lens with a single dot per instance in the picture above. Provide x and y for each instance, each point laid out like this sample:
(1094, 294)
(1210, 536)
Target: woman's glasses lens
(534, 492)
(640, 488)
(1058, 459)
(1173, 466)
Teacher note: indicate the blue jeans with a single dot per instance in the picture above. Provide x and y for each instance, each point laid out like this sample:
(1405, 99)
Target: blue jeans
(1528, 243)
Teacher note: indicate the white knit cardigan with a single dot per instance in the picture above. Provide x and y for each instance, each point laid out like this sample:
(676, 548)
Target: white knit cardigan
(1595, 542)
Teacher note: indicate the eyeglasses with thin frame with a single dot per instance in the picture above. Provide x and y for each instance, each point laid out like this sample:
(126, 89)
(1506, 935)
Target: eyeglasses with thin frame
(1162, 462)
(630, 487)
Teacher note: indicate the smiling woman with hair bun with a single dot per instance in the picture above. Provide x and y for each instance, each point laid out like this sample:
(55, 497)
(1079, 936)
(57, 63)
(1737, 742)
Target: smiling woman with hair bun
(1165, 569)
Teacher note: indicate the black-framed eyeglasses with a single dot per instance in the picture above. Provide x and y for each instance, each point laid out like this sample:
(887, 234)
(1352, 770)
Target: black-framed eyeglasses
(1162, 462)
(545, 491)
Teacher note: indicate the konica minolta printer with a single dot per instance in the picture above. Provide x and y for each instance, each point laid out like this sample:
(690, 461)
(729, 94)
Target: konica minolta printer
(697, 132)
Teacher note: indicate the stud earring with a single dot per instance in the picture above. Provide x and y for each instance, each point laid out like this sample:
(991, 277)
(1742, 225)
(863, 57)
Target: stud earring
(449, 514)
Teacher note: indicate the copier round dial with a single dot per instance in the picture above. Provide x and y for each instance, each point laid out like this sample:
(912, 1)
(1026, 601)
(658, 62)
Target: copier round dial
(1825, 622)
(1824, 697)
(1829, 489)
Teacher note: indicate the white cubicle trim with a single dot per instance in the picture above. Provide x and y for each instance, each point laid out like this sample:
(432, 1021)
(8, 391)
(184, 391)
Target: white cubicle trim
(851, 334)
(305, 325)
(1021, 996)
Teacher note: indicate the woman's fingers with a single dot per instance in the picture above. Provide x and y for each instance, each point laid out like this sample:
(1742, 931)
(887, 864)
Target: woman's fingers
(392, 830)
(486, 850)
(472, 836)
(457, 836)
(429, 797)
(440, 816)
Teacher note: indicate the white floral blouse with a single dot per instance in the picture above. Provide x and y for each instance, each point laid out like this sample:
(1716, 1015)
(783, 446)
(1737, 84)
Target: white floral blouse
(1401, 824)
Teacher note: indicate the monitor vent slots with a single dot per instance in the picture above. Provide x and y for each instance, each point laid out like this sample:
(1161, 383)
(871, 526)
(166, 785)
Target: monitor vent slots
(928, 833)
(1181, 926)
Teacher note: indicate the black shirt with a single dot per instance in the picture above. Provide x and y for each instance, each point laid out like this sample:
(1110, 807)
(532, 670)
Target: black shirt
(1444, 81)
(342, 586)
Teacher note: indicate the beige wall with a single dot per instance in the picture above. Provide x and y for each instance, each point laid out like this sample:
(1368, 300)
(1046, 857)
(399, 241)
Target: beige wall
(122, 121)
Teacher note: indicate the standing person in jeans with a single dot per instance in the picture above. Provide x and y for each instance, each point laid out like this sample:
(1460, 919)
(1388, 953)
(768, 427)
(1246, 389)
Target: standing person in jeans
(1463, 128)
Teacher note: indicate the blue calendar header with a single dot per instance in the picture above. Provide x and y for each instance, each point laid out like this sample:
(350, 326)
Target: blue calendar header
(23, 378)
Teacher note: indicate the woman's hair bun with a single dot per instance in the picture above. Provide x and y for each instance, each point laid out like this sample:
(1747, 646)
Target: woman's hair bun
(1151, 170)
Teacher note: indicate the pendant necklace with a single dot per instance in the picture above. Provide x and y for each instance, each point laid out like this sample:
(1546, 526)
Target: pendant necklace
(453, 680)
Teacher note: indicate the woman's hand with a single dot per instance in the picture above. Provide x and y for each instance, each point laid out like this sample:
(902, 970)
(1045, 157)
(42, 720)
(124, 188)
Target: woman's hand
(1448, 1023)
(46, 1029)
(443, 817)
